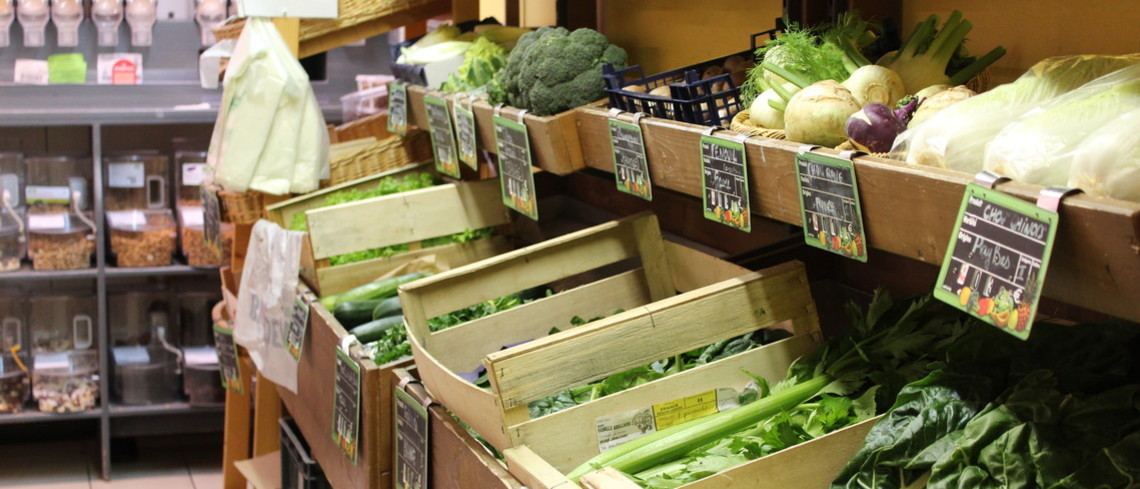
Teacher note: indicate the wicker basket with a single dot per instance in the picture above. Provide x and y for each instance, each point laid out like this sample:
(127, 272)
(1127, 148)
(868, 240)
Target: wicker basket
(381, 156)
(242, 207)
(231, 29)
(742, 123)
(375, 125)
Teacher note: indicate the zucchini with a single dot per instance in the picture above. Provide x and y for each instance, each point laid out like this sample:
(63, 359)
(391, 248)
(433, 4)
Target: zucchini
(373, 330)
(355, 313)
(380, 289)
(387, 307)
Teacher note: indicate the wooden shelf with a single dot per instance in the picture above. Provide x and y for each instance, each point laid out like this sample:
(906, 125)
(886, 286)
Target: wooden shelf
(419, 12)
(910, 210)
(32, 415)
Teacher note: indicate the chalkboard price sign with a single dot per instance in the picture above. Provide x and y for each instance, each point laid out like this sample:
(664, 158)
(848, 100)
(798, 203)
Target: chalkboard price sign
(212, 222)
(298, 323)
(997, 259)
(228, 359)
(724, 182)
(346, 405)
(515, 174)
(465, 129)
(398, 108)
(412, 445)
(829, 201)
(631, 171)
(442, 136)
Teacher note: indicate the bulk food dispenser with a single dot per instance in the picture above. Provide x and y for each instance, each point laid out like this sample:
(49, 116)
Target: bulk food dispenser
(200, 365)
(61, 234)
(15, 383)
(192, 171)
(13, 239)
(142, 228)
(151, 373)
(65, 372)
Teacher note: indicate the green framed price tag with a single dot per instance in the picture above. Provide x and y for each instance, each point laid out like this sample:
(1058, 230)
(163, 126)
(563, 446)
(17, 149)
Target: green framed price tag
(466, 134)
(412, 442)
(515, 173)
(631, 168)
(997, 258)
(442, 136)
(724, 182)
(829, 203)
(398, 108)
(229, 367)
(299, 322)
(346, 405)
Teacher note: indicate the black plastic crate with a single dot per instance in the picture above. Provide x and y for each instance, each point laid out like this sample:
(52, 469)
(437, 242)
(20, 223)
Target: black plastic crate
(690, 99)
(298, 469)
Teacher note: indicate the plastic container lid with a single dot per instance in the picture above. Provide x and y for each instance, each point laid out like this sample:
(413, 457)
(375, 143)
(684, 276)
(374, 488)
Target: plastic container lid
(57, 223)
(68, 363)
(141, 220)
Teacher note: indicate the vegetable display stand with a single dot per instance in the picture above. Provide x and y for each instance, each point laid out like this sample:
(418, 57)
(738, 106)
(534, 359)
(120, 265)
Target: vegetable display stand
(396, 219)
(554, 141)
(456, 459)
(810, 465)
(312, 406)
(547, 366)
(908, 210)
(282, 212)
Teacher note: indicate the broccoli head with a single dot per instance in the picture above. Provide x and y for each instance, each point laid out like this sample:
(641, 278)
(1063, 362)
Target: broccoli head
(552, 70)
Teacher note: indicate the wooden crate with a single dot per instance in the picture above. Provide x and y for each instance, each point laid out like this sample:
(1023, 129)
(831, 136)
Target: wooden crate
(810, 465)
(909, 210)
(282, 212)
(456, 459)
(554, 143)
(553, 363)
(407, 217)
(312, 406)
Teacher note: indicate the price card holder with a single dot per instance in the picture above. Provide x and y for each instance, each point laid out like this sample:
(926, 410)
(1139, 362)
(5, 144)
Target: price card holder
(465, 132)
(829, 202)
(229, 367)
(413, 431)
(998, 254)
(442, 136)
(298, 324)
(515, 173)
(631, 167)
(398, 108)
(724, 180)
(346, 400)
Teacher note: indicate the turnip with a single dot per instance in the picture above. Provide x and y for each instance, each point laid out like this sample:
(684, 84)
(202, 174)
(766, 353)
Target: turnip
(939, 101)
(765, 111)
(872, 84)
(874, 128)
(818, 114)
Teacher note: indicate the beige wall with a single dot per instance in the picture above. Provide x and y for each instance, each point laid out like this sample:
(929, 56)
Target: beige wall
(666, 34)
(1031, 30)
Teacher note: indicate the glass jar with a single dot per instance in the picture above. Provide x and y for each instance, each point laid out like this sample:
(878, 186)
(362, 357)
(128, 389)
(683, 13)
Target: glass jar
(136, 181)
(15, 386)
(66, 382)
(57, 184)
(60, 241)
(143, 238)
(194, 247)
(60, 324)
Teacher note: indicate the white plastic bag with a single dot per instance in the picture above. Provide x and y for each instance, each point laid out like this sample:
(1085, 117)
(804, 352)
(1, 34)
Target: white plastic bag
(1038, 147)
(1107, 163)
(265, 300)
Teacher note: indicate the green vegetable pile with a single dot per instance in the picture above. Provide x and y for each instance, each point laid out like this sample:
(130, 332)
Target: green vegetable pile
(388, 186)
(840, 383)
(393, 345)
(640, 375)
(1059, 411)
(482, 61)
(552, 70)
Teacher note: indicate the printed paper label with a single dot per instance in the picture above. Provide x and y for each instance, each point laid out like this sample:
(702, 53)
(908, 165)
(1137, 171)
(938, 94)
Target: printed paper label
(31, 72)
(620, 428)
(45, 222)
(47, 195)
(126, 175)
(193, 174)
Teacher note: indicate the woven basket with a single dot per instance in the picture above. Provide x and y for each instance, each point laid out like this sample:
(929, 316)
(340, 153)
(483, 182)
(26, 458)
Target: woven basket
(375, 125)
(242, 207)
(742, 123)
(381, 156)
(231, 29)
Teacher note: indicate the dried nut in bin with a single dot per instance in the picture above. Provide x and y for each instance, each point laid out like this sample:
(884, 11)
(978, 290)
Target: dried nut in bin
(13, 392)
(66, 394)
(148, 245)
(198, 254)
(64, 251)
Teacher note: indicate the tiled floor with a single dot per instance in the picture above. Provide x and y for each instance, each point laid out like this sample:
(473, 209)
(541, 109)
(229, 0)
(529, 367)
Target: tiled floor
(161, 463)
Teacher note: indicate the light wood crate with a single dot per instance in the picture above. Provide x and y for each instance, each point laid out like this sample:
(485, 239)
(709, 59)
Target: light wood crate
(746, 301)
(406, 217)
